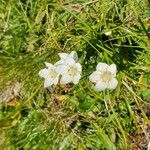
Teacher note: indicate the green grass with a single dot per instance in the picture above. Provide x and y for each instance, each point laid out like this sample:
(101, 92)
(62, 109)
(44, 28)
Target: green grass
(32, 32)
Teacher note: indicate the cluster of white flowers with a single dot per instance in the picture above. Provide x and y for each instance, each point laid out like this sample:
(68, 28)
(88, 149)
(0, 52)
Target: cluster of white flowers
(68, 70)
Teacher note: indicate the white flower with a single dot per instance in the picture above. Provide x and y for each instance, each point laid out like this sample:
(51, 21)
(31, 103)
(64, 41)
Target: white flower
(104, 77)
(50, 74)
(64, 56)
(70, 71)
(66, 70)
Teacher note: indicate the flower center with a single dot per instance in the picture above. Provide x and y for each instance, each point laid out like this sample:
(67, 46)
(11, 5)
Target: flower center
(106, 76)
(52, 73)
(72, 70)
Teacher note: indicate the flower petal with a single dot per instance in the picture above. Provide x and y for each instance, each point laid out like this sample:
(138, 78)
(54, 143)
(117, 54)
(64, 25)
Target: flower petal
(61, 69)
(94, 77)
(43, 73)
(48, 64)
(47, 83)
(65, 79)
(74, 55)
(113, 83)
(101, 66)
(55, 81)
(113, 69)
(59, 62)
(76, 79)
(100, 86)
(69, 61)
(79, 67)
(62, 55)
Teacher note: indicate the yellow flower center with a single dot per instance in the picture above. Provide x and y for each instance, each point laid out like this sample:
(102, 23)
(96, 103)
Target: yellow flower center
(106, 76)
(72, 71)
(52, 73)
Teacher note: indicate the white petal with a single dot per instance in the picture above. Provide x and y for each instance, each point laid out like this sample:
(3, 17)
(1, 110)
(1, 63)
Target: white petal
(69, 61)
(74, 55)
(47, 83)
(76, 79)
(61, 69)
(65, 79)
(43, 73)
(48, 64)
(113, 83)
(62, 55)
(59, 62)
(79, 67)
(113, 69)
(100, 86)
(56, 80)
(101, 66)
(94, 76)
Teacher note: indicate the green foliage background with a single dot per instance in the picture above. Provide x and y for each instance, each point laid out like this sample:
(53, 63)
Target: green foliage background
(74, 117)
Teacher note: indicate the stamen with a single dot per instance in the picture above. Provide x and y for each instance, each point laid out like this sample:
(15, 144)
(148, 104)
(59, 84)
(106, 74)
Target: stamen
(52, 73)
(106, 76)
(72, 71)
